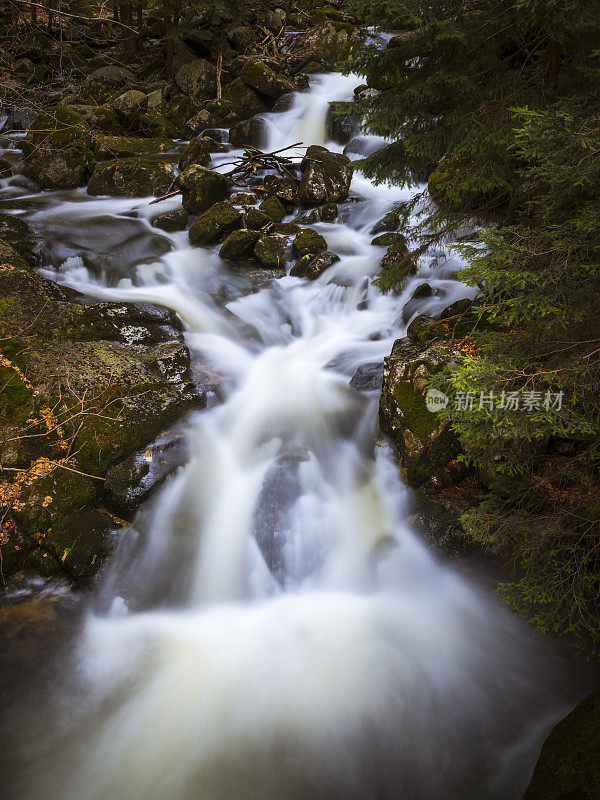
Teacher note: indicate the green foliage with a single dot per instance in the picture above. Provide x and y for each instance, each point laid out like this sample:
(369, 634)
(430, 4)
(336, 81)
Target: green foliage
(501, 101)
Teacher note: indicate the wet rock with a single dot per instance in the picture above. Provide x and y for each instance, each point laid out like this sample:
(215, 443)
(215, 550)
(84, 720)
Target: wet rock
(256, 219)
(309, 241)
(59, 150)
(201, 188)
(328, 43)
(399, 259)
(271, 250)
(99, 118)
(422, 291)
(129, 107)
(569, 765)
(341, 123)
(171, 221)
(243, 99)
(131, 177)
(284, 103)
(128, 146)
(273, 208)
(246, 199)
(284, 189)
(389, 239)
(329, 212)
(15, 232)
(326, 177)
(312, 267)
(262, 78)
(10, 257)
(310, 216)
(214, 223)
(198, 79)
(196, 152)
(456, 309)
(251, 132)
(239, 244)
(424, 442)
(368, 378)
(390, 222)
(288, 228)
(362, 146)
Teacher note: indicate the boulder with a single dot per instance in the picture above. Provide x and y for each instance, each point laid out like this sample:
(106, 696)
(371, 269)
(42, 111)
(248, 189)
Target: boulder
(398, 260)
(244, 100)
(423, 440)
(309, 241)
(171, 221)
(214, 223)
(198, 79)
(9, 257)
(312, 266)
(390, 221)
(259, 76)
(129, 107)
(328, 43)
(569, 765)
(16, 233)
(256, 219)
(342, 124)
(251, 132)
(285, 189)
(131, 177)
(273, 208)
(326, 177)
(242, 38)
(212, 114)
(389, 239)
(58, 149)
(102, 82)
(128, 146)
(197, 151)
(271, 250)
(239, 244)
(99, 118)
(199, 40)
(201, 188)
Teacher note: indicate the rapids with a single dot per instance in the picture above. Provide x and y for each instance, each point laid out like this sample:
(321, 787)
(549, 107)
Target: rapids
(271, 628)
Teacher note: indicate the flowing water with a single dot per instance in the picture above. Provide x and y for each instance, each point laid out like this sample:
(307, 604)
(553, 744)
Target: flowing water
(271, 628)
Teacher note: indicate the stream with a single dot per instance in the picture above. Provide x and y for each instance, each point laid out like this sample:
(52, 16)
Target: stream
(271, 627)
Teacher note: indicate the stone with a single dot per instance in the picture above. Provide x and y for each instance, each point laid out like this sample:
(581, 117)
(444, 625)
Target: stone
(424, 442)
(201, 188)
(329, 212)
(59, 150)
(262, 78)
(132, 177)
(10, 258)
(368, 377)
(256, 219)
(214, 223)
(326, 177)
(198, 79)
(128, 146)
(388, 239)
(399, 259)
(239, 244)
(251, 132)
(129, 107)
(273, 208)
(171, 221)
(271, 250)
(285, 189)
(309, 241)
(390, 221)
(341, 123)
(328, 43)
(103, 81)
(99, 118)
(422, 291)
(16, 233)
(244, 100)
(312, 266)
(196, 152)
(569, 765)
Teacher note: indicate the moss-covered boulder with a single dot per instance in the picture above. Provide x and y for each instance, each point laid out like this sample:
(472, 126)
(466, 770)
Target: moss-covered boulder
(129, 107)
(328, 43)
(201, 188)
(259, 76)
(197, 151)
(15, 232)
(398, 261)
(284, 189)
(10, 258)
(212, 114)
(313, 266)
(214, 223)
(239, 245)
(99, 118)
(250, 132)
(273, 208)
(132, 177)
(171, 221)
(326, 177)
(271, 249)
(569, 765)
(104, 81)
(58, 149)
(198, 79)
(309, 241)
(108, 147)
(424, 442)
(243, 99)
(256, 219)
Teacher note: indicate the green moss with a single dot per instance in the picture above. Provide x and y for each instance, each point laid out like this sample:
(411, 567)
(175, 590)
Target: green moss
(273, 208)
(415, 415)
(131, 177)
(219, 219)
(309, 241)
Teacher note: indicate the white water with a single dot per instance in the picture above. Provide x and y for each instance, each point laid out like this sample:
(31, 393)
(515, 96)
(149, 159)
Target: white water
(274, 629)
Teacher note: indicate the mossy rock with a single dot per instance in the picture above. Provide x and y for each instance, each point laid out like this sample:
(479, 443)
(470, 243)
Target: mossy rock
(100, 118)
(212, 114)
(326, 177)
(214, 223)
(201, 188)
(273, 208)
(390, 221)
(110, 147)
(198, 79)
(389, 239)
(195, 152)
(58, 149)
(15, 232)
(243, 99)
(259, 76)
(239, 244)
(131, 177)
(271, 250)
(9, 257)
(313, 266)
(309, 241)
(171, 221)
(569, 765)
(256, 219)
(424, 442)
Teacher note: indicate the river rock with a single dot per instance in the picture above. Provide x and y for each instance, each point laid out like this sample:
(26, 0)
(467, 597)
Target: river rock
(128, 146)
(239, 244)
(312, 266)
(244, 100)
(171, 221)
(129, 107)
(259, 76)
(368, 378)
(309, 241)
(327, 43)
(198, 79)
(273, 208)
(424, 442)
(342, 124)
(196, 152)
(256, 219)
(326, 177)
(569, 765)
(201, 188)
(15, 232)
(251, 132)
(271, 250)
(58, 149)
(284, 189)
(99, 118)
(131, 177)
(214, 223)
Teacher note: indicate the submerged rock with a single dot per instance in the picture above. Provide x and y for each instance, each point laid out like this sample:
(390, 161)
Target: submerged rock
(201, 188)
(131, 177)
